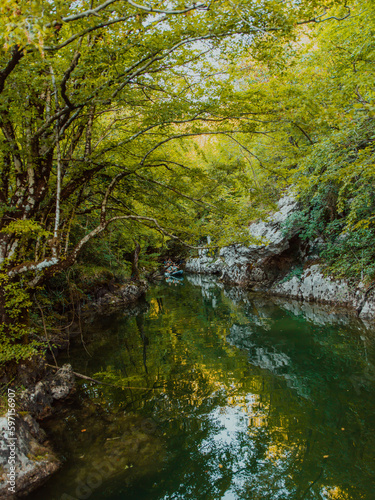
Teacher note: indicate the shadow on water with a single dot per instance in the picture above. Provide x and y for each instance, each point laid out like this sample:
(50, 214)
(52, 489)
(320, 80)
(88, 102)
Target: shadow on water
(220, 395)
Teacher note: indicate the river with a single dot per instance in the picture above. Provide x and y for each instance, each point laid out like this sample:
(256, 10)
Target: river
(217, 394)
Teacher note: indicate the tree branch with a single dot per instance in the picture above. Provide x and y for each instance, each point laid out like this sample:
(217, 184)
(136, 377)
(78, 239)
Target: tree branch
(49, 122)
(95, 12)
(52, 265)
(115, 180)
(156, 224)
(17, 55)
(171, 188)
(194, 134)
(86, 13)
(155, 58)
(318, 19)
(304, 133)
(86, 31)
(66, 77)
(148, 8)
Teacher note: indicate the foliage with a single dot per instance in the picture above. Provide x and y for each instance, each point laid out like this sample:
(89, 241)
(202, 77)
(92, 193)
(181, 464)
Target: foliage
(338, 201)
(352, 254)
(295, 272)
(109, 101)
(323, 102)
(15, 344)
(27, 227)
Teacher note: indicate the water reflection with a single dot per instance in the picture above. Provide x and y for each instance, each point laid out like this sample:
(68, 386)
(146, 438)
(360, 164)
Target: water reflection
(217, 394)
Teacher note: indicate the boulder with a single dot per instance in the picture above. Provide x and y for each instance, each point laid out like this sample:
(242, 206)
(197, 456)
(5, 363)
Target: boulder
(34, 460)
(38, 399)
(314, 286)
(122, 295)
(29, 454)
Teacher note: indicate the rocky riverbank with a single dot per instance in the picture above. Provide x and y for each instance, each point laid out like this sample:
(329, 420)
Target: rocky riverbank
(28, 451)
(280, 263)
(121, 295)
(42, 392)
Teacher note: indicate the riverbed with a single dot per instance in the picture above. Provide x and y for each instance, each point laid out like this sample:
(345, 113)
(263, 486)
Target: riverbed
(213, 393)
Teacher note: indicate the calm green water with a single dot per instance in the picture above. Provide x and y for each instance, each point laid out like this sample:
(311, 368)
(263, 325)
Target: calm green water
(232, 396)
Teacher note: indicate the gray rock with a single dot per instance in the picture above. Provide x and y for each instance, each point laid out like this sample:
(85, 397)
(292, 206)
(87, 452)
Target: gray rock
(39, 399)
(33, 462)
(123, 295)
(264, 265)
(204, 264)
(314, 286)
(270, 232)
(62, 383)
(239, 263)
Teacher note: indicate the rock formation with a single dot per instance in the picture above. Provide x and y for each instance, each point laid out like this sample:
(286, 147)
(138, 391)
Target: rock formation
(280, 263)
(34, 459)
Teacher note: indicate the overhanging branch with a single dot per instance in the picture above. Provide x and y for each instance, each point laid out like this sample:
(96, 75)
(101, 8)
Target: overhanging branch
(17, 55)
(53, 265)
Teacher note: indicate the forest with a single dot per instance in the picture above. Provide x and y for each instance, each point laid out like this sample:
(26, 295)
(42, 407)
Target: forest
(141, 127)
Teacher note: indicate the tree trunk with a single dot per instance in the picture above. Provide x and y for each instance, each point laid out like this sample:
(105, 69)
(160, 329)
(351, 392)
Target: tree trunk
(135, 270)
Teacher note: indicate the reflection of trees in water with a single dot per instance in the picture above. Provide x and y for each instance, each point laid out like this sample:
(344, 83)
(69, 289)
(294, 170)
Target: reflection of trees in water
(282, 410)
(140, 324)
(271, 450)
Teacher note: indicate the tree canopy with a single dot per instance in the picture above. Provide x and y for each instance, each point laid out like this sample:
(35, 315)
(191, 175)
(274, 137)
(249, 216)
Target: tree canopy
(92, 98)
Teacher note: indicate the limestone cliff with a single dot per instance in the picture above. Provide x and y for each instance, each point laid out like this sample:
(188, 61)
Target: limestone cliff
(280, 263)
